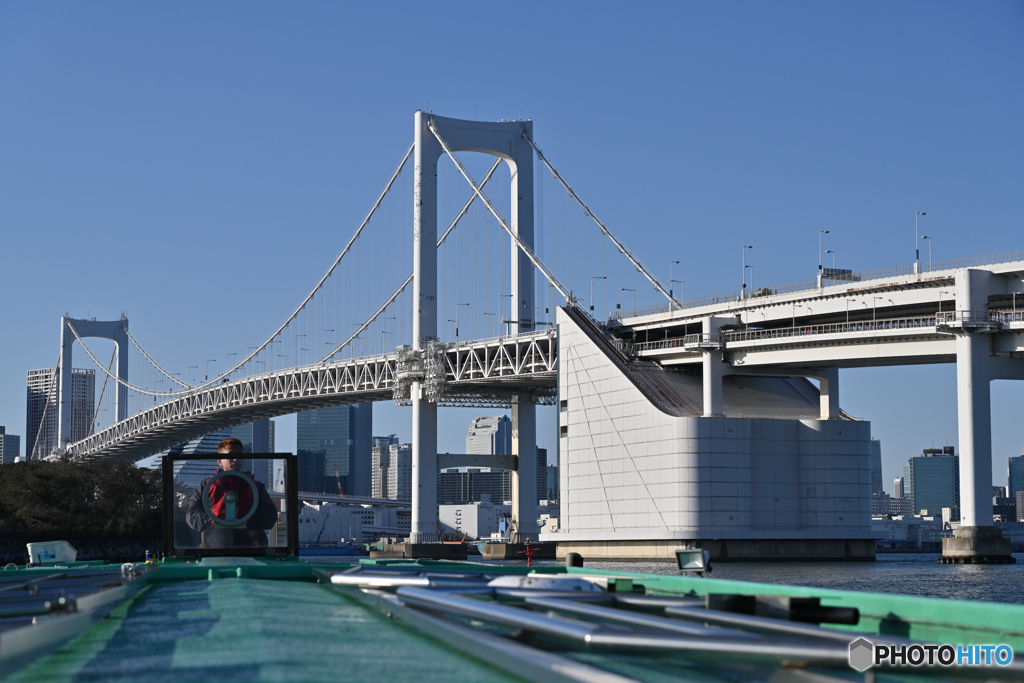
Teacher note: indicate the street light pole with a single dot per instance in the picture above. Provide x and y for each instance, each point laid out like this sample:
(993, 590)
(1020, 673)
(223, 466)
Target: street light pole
(820, 233)
(681, 291)
(670, 281)
(500, 297)
(873, 300)
(743, 289)
(495, 322)
(633, 292)
(917, 245)
(751, 278)
(457, 320)
(833, 252)
(592, 278)
(929, 238)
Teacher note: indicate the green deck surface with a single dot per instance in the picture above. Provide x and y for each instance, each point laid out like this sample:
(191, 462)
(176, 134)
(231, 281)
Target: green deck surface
(246, 619)
(252, 630)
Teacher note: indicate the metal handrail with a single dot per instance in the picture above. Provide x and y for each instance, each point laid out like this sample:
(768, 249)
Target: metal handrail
(807, 285)
(884, 324)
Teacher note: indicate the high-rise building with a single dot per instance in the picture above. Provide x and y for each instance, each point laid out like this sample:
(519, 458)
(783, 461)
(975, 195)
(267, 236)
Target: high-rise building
(10, 446)
(342, 436)
(380, 463)
(256, 438)
(41, 408)
(876, 466)
(933, 479)
(490, 435)
(542, 473)
(552, 492)
(189, 473)
(1015, 475)
(898, 490)
(400, 472)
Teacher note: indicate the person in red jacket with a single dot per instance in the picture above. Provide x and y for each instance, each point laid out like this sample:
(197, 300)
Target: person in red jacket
(230, 497)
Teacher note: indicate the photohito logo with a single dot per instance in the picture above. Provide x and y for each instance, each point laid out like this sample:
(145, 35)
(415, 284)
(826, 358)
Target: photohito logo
(864, 654)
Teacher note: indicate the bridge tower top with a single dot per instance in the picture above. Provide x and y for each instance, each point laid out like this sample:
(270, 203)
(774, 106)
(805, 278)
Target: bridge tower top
(70, 329)
(504, 140)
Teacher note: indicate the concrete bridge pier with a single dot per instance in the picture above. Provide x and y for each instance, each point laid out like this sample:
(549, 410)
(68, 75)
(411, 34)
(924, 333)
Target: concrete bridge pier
(977, 540)
(713, 366)
(829, 381)
(524, 478)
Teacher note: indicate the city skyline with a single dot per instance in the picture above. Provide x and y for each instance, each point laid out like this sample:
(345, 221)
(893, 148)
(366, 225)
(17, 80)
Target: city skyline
(782, 135)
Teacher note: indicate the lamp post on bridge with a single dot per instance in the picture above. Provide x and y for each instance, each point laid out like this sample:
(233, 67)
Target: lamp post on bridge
(592, 278)
(670, 281)
(929, 238)
(873, 300)
(820, 233)
(227, 361)
(681, 283)
(751, 268)
(743, 251)
(633, 292)
(917, 242)
(208, 361)
(456, 321)
(493, 315)
(500, 297)
(298, 356)
(190, 377)
(384, 332)
(547, 303)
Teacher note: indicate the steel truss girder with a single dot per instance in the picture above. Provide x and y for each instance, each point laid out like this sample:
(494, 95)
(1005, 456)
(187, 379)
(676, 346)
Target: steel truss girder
(487, 373)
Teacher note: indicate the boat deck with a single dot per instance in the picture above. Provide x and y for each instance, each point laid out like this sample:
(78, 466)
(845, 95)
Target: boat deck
(230, 619)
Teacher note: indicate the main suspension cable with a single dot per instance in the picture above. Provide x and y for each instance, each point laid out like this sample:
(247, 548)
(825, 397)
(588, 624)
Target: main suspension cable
(586, 209)
(258, 349)
(115, 377)
(155, 364)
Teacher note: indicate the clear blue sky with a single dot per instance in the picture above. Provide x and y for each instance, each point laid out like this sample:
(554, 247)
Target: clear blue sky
(147, 149)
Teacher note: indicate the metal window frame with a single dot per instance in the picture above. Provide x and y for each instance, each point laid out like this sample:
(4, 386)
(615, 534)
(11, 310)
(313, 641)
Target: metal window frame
(291, 498)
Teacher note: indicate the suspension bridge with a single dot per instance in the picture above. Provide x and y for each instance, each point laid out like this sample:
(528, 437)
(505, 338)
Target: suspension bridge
(452, 317)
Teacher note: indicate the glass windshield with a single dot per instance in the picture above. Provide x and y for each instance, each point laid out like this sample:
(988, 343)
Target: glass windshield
(229, 502)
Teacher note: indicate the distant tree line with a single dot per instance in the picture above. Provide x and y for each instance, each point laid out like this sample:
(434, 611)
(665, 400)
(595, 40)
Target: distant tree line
(64, 499)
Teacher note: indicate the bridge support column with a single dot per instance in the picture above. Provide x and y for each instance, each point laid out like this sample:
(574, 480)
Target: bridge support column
(977, 541)
(524, 479)
(424, 470)
(424, 329)
(64, 393)
(713, 367)
(975, 424)
(829, 380)
(713, 372)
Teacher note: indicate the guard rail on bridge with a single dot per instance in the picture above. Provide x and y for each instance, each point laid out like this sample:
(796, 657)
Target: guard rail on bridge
(697, 341)
(807, 285)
